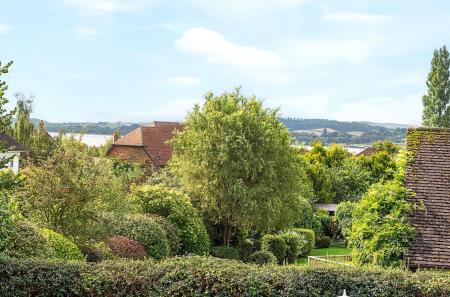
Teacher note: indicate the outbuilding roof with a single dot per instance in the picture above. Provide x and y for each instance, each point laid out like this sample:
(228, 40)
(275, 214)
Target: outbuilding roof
(10, 144)
(428, 176)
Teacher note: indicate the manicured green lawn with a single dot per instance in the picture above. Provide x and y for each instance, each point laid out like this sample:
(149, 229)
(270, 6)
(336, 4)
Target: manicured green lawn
(325, 252)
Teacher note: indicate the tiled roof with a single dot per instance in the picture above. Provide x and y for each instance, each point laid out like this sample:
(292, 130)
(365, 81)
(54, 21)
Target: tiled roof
(9, 143)
(428, 176)
(153, 138)
(369, 151)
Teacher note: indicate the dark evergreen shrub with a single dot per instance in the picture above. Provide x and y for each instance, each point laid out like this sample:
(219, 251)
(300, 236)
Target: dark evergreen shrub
(96, 251)
(323, 241)
(127, 248)
(262, 258)
(246, 248)
(225, 252)
(276, 245)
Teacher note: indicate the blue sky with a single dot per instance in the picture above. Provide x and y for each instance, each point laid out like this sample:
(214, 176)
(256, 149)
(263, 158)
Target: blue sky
(144, 60)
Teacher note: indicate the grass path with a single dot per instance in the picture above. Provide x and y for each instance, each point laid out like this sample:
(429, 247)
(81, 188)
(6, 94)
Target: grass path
(324, 252)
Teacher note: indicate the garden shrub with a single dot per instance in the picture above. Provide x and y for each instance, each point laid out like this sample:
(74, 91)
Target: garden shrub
(127, 248)
(322, 221)
(7, 220)
(225, 252)
(343, 215)
(96, 251)
(27, 242)
(381, 233)
(202, 276)
(262, 258)
(294, 243)
(143, 229)
(276, 245)
(63, 248)
(310, 238)
(323, 241)
(177, 208)
(246, 248)
(172, 233)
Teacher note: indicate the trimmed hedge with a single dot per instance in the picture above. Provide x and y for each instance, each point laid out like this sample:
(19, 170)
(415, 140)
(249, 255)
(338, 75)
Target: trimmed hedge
(276, 245)
(63, 248)
(310, 237)
(294, 244)
(97, 251)
(225, 252)
(200, 276)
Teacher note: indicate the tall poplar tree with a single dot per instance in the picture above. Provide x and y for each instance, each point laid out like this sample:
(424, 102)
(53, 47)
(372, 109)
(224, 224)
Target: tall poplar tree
(436, 107)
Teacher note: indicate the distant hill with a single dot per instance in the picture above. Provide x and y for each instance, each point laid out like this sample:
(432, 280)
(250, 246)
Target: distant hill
(302, 130)
(331, 131)
(99, 128)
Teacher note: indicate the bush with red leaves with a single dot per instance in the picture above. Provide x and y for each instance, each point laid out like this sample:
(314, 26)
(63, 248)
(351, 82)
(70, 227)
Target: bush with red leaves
(126, 248)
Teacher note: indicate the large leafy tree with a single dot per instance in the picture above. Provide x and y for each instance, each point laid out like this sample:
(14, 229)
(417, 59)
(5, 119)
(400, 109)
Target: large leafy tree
(436, 107)
(23, 128)
(69, 191)
(235, 157)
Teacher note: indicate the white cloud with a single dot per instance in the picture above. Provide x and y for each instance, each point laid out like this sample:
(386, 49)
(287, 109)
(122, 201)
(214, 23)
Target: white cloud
(110, 6)
(184, 81)
(247, 7)
(4, 28)
(86, 31)
(352, 17)
(216, 49)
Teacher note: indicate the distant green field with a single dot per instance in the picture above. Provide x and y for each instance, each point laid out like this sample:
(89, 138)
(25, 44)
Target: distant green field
(325, 252)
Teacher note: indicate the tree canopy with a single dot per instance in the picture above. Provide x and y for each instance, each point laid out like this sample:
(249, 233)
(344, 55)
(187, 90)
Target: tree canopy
(236, 157)
(436, 108)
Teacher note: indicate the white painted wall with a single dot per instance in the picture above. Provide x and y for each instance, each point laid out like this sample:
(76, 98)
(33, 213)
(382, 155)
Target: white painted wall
(13, 163)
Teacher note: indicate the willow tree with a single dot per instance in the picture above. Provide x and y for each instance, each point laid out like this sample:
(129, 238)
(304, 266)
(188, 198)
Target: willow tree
(236, 157)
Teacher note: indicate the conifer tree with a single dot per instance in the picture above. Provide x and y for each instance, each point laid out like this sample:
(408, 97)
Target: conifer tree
(23, 128)
(5, 116)
(436, 107)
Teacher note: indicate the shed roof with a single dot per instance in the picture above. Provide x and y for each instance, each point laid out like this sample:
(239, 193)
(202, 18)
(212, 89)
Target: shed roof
(428, 176)
(10, 144)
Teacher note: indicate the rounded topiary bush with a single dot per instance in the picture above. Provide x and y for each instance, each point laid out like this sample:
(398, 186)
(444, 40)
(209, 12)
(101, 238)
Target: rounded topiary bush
(225, 252)
(27, 242)
(310, 238)
(147, 231)
(97, 251)
(172, 233)
(63, 248)
(276, 245)
(262, 258)
(323, 241)
(178, 209)
(126, 248)
(294, 243)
